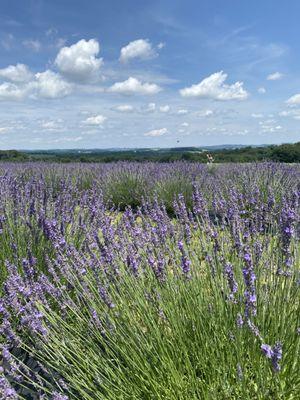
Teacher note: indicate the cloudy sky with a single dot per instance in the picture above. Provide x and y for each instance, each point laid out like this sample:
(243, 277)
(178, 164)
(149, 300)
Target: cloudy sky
(132, 73)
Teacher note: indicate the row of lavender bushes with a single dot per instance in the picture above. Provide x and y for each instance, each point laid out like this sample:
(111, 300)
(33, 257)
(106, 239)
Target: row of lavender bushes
(125, 184)
(149, 281)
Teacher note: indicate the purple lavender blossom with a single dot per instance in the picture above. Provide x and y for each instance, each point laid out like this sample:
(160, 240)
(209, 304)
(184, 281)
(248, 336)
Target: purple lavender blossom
(274, 354)
(185, 262)
(250, 291)
(239, 321)
(267, 350)
(59, 396)
(233, 286)
(7, 392)
(287, 221)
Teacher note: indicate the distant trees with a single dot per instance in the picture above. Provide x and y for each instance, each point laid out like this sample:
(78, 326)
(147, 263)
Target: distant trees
(288, 153)
(12, 155)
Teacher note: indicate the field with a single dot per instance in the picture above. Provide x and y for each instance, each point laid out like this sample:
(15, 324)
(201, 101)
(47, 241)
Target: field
(131, 281)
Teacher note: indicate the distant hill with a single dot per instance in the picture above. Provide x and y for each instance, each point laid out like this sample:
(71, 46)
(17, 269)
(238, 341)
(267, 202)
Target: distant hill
(289, 153)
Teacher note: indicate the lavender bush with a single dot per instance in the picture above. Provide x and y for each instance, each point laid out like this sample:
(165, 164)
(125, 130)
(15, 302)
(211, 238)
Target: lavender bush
(149, 281)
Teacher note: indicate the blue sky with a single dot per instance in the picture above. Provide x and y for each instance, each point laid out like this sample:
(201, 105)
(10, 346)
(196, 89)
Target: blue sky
(86, 74)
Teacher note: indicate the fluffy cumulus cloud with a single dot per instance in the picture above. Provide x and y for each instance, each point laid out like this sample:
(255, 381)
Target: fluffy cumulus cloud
(95, 120)
(141, 49)
(11, 92)
(294, 100)
(275, 76)
(16, 73)
(214, 87)
(79, 62)
(156, 132)
(134, 86)
(50, 85)
(47, 85)
(125, 108)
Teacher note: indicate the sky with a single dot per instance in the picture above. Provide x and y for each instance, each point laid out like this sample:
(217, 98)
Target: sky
(132, 73)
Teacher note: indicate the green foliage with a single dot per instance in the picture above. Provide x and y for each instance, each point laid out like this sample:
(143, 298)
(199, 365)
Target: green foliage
(125, 189)
(289, 153)
(178, 339)
(166, 191)
(12, 155)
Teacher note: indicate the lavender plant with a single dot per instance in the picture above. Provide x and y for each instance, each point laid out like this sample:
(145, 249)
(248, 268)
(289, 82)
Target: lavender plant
(190, 296)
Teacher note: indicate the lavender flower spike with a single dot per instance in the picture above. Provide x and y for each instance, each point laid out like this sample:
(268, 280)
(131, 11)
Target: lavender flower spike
(274, 354)
(233, 286)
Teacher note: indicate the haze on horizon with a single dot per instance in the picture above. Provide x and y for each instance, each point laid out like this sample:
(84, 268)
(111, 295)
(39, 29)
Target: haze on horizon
(109, 74)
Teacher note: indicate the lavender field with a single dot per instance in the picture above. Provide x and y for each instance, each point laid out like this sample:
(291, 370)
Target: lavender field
(149, 281)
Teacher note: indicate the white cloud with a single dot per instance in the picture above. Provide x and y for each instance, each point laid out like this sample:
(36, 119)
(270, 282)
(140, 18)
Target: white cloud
(185, 124)
(268, 121)
(50, 85)
(134, 86)
(67, 139)
(205, 113)
(156, 132)
(48, 124)
(12, 92)
(182, 112)
(161, 45)
(4, 129)
(275, 76)
(95, 120)
(34, 45)
(151, 107)
(16, 73)
(258, 116)
(47, 84)
(51, 125)
(295, 113)
(213, 87)
(124, 108)
(79, 62)
(294, 100)
(140, 48)
(261, 90)
(164, 109)
(285, 113)
(269, 126)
